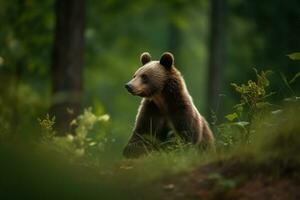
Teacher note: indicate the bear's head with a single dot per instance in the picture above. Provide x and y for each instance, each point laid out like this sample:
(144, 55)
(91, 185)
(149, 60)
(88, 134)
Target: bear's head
(151, 77)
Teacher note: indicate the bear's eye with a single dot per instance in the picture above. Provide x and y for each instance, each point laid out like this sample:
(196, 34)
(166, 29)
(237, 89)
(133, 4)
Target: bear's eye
(144, 78)
(134, 76)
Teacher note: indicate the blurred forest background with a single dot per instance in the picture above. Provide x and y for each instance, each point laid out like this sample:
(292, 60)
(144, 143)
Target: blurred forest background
(62, 56)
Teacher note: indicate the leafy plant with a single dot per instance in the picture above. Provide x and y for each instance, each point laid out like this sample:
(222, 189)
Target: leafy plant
(253, 105)
(82, 141)
(46, 125)
(253, 96)
(294, 56)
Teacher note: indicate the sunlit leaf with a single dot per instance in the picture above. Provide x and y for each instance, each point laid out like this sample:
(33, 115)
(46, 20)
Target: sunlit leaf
(276, 112)
(242, 124)
(292, 99)
(92, 143)
(231, 117)
(294, 56)
(169, 186)
(70, 137)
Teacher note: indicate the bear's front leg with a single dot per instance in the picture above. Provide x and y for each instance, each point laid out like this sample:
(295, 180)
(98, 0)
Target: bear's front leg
(148, 126)
(187, 127)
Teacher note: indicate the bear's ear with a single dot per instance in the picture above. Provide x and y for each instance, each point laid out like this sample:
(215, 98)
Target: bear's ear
(167, 60)
(145, 58)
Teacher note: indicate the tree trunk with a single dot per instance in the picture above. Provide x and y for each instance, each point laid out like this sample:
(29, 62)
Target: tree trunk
(216, 54)
(67, 62)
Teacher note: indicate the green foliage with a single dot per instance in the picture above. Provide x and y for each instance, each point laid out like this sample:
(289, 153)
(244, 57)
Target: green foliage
(261, 44)
(284, 131)
(46, 125)
(252, 107)
(253, 96)
(231, 117)
(294, 56)
(83, 140)
(294, 78)
(276, 143)
(19, 104)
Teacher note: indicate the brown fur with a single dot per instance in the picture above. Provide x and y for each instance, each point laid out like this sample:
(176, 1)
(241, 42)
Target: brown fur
(166, 106)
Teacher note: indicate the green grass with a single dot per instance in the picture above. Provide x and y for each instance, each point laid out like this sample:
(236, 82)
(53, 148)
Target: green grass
(37, 171)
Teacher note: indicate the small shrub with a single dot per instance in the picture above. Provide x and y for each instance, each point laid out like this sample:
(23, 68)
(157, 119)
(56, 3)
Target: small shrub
(253, 106)
(46, 125)
(84, 139)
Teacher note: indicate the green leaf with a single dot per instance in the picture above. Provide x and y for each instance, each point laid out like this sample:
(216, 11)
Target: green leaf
(292, 99)
(231, 117)
(286, 82)
(294, 56)
(294, 78)
(242, 124)
(277, 112)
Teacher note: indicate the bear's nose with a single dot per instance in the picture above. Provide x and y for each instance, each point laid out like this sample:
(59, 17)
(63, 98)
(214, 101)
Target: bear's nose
(128, 87)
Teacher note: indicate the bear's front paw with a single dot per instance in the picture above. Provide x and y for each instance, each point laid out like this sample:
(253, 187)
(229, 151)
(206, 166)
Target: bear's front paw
(135, 151)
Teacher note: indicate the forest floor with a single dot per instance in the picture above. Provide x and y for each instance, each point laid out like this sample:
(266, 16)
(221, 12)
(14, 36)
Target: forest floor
(202, 184)
(222, 180)
(36, 176)
(217, 181)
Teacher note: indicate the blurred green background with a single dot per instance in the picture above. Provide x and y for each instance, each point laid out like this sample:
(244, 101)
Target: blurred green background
(249, 34)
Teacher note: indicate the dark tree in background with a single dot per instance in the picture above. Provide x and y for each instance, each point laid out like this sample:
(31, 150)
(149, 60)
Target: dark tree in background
(67, 62)
(216, 53)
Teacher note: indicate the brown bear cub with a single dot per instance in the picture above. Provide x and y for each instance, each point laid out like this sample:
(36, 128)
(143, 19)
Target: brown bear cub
(166, 107)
